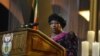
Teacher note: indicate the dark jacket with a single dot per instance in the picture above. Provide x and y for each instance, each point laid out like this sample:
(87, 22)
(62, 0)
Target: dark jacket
(70, 42)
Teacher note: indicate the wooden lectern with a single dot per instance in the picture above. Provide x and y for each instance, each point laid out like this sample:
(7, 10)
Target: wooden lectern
(28, 42)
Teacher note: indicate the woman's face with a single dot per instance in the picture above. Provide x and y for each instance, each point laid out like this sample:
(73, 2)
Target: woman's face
(55, 26)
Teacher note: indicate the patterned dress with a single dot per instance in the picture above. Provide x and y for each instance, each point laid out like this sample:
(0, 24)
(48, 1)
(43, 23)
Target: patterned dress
(69, 41)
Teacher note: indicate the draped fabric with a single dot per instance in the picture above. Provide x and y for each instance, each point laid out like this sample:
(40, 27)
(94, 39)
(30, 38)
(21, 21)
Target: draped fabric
(69, 41)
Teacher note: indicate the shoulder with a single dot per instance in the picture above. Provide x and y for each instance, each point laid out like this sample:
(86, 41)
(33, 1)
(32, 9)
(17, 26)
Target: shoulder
(71, 36)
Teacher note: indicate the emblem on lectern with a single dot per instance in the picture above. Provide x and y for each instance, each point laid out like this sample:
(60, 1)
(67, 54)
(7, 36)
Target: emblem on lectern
(7, 44)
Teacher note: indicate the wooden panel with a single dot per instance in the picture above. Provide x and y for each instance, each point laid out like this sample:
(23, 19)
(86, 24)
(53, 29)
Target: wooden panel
(41, 45)
(19, 43)
(19, 46)
(33, 43)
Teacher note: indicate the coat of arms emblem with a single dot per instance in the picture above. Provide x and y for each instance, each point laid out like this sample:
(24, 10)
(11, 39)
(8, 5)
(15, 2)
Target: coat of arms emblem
(7, 44)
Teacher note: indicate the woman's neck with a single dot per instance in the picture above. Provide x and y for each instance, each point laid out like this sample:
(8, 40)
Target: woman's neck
(55, 33)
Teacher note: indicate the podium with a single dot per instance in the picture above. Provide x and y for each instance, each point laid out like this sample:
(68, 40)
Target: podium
(28, 42)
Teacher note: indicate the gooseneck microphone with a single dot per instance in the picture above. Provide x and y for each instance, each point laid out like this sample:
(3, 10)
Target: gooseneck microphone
(29, 25)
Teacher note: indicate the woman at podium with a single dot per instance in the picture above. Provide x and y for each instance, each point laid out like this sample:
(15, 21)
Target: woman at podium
(67, 39)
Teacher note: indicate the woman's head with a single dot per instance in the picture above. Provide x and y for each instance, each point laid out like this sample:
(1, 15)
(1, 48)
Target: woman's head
(56, 22)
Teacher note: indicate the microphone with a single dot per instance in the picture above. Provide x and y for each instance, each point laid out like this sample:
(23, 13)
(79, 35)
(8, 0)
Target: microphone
(33, 24)
(29, 25)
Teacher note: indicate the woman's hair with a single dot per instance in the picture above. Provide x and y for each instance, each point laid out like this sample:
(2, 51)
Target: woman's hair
(57, 18)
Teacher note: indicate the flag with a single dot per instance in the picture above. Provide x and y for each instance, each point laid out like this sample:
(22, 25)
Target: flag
(34, 13)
